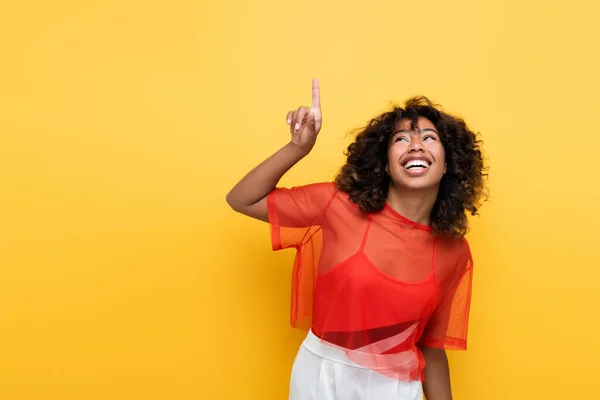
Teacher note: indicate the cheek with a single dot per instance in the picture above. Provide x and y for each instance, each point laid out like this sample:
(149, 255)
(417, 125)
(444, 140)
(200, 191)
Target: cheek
(395, 152)
(438, 153)
(442, 157)
(393, 166)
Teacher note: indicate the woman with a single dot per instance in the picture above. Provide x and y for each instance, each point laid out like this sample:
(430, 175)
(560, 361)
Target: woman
(382, 275)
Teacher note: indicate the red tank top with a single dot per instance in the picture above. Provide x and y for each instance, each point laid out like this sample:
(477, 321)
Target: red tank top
(377, 285)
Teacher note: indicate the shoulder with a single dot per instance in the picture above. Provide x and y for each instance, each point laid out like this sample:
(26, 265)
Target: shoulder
(313, 194)
(453, 244)
(326, 187)
(309, 189)
(452, 260)
(454, 251)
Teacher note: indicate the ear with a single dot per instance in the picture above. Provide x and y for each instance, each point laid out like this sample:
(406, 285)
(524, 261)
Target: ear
(445, 165)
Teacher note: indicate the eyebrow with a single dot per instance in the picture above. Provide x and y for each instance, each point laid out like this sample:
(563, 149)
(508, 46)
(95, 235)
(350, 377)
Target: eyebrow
(409, 130)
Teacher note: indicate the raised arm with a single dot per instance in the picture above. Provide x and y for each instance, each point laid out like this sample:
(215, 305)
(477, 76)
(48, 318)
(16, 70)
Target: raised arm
(249, 195)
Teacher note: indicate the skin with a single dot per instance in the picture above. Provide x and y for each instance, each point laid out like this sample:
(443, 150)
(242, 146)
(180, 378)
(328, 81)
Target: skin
(410, 195)
(437, 374)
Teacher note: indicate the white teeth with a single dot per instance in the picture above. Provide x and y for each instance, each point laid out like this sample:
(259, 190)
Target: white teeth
(416, 164)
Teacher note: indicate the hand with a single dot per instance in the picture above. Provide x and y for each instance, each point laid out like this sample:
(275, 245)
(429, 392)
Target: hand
(305, 123)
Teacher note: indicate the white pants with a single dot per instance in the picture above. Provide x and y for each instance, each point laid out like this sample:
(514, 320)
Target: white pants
(324, 372)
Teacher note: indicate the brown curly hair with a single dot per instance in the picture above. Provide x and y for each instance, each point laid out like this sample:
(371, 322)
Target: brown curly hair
(365, 179)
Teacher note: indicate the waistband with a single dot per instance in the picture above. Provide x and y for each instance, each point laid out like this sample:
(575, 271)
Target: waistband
(405, 365)
(327, 350)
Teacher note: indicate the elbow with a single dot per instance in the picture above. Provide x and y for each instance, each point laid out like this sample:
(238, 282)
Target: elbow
(235, 204)
(231, 202)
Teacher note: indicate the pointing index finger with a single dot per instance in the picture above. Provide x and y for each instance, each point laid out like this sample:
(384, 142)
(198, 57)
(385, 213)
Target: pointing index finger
(316, 94)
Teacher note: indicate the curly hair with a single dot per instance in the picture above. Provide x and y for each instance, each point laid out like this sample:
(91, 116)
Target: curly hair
(365, 179)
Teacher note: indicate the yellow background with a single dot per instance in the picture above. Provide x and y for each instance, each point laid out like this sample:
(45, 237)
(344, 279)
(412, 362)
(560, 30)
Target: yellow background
(123, 124)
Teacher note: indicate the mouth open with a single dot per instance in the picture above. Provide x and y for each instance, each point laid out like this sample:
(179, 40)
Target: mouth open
(416, 167)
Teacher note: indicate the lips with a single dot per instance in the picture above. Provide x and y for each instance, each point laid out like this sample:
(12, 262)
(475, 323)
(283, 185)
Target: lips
(417, 162)
(416, 165)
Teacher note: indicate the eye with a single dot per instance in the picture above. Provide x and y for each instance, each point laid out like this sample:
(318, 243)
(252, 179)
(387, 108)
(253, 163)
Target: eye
(399, 138)
(429, 137)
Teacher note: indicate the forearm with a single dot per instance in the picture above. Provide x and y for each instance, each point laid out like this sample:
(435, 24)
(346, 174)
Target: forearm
(437, 375)
(259, 182)
(249, 195)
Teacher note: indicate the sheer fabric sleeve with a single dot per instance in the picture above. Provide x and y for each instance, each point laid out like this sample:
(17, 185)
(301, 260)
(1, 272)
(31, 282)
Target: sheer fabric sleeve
(297, 208)
(296, 218)
(448, 326)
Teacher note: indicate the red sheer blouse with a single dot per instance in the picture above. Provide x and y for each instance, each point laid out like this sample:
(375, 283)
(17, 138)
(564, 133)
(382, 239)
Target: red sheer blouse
(377, 285)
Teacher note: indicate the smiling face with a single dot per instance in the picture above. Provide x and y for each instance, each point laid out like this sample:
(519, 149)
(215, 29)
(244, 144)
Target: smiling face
(416, 158)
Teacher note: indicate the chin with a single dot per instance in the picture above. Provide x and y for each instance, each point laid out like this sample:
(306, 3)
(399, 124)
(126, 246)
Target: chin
(412, 185)
(419, 187)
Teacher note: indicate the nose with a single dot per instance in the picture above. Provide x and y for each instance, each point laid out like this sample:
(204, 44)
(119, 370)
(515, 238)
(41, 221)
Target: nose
(415, 144)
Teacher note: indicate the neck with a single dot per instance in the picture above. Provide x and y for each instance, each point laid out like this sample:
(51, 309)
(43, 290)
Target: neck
(414, 204)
